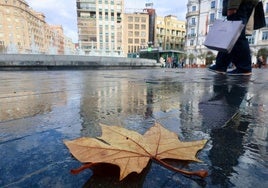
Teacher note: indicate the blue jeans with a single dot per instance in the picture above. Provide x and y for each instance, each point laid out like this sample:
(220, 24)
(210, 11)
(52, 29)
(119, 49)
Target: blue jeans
(240, 54)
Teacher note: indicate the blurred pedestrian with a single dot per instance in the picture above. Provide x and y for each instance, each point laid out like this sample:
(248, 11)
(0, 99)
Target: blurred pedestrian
(260, 61)
(182, 63)
(175, 62)
(162, 62)
(169, 62)
(240, 54)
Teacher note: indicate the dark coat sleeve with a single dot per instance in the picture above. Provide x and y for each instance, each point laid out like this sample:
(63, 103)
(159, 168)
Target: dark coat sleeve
(224, 7)
(259, 16)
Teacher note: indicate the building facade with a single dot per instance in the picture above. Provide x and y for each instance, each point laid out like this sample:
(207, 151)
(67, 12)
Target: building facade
(200, 16)
(23, 30)
(104, 28)
(259, 38)
(100, 26)
(170, 33)
(135, 32)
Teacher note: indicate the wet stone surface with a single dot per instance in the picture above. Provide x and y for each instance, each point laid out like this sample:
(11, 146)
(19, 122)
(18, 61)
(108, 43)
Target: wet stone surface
(39, 110)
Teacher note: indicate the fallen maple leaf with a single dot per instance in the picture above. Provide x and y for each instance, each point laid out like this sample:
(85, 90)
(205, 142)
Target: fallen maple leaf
(132, 151)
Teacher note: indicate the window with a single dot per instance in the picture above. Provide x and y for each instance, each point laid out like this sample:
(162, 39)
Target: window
(130, 33)
(137, 26)
(137, 19)
(130, 26)
(266, 8)
(130, 19)
(251, 39)
(212, 17)
(143, 20)
(191, 42)
(192, 32)
(193, 8)
(213, 4)
(143, 26)
(265, 35)
(130, 41)
(143, 34)
(100, 27)
(193, 21)
(137, 41)
(106, 16)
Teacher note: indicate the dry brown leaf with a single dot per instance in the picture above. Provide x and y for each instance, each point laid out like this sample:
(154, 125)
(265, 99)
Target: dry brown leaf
(132, 151)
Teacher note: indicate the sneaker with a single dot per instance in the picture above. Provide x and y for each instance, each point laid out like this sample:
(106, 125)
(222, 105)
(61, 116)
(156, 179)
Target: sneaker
(213, 68)
(237, 72)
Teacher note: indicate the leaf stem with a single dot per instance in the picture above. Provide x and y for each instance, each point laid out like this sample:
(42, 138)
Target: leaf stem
(200, 173)
(81, 168)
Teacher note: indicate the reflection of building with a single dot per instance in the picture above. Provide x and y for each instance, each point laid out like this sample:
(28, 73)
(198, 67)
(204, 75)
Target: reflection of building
(23, 104)
(260, 132)
(120, 102)
(111, 104)
(200, 16)
(100, 26)
(23, 30)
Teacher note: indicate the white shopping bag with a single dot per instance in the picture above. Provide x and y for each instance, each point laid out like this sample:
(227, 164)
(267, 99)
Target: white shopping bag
(223, 35)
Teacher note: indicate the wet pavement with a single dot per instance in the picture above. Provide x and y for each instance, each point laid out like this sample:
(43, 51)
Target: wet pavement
(41, 109)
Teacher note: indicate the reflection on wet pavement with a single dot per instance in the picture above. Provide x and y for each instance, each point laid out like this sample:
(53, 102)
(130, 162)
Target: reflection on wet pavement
(38, 110)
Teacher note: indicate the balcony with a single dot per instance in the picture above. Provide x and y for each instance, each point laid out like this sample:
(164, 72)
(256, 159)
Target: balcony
(119, 19)
(87, 1)
(189, 14)
(86, 9)
(192, 24)
(192, 35)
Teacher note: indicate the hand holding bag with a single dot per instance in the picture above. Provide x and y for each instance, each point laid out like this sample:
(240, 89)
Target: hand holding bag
(223, 35)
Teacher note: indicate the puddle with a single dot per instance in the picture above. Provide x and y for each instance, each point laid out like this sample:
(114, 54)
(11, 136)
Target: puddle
(38, 110)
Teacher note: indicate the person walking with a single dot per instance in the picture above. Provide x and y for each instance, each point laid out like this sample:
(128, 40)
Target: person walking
(182, 63)
(162, 62)
(175, 62)
(260, 61)
(240, 55)
(169, 62)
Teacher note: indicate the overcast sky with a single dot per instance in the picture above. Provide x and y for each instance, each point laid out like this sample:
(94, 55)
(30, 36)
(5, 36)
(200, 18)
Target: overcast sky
(63, 12)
